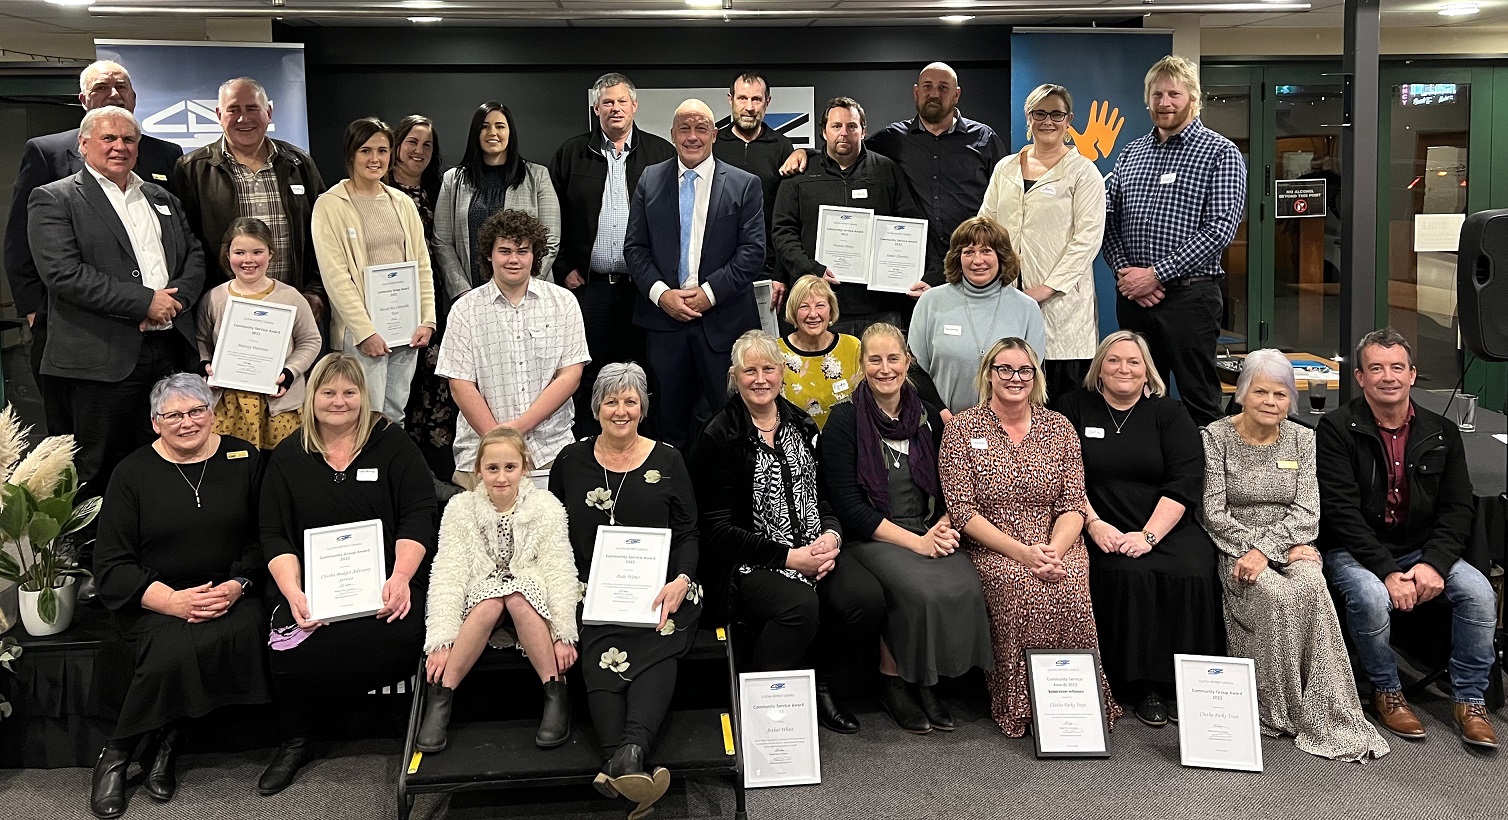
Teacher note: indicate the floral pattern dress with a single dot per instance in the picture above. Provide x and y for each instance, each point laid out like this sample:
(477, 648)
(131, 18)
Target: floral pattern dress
(818, 379)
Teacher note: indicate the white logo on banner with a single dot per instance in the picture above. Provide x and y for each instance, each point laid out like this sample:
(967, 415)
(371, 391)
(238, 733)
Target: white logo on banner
(790, 111)
(190, 123)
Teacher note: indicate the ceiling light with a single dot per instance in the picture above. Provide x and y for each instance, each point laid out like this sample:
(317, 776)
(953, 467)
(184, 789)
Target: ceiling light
(956, 18)
(422, 4)
(72, 2)
(705, 4)
(425, 19)
(1459, 9)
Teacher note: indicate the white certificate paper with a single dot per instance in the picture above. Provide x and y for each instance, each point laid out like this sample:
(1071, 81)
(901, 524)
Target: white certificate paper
(252, 345)
(1219, 726)
(843, 242)
(345, 567)
(1068, 705)
(628, 572)
(764, 303)
(898, 257)
(778, 728)
(393, 301)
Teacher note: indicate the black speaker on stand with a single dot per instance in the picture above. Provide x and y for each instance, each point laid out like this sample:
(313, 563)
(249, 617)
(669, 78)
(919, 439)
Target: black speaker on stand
(1482, 284)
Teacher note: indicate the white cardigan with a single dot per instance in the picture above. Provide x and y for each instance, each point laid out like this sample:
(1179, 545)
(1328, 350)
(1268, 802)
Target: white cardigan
(1055, 229)
(468, 542)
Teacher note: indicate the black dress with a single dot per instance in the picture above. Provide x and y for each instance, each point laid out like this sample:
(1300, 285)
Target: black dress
(1167, 601)
(431, 412)
(301, 491)
(151, 530)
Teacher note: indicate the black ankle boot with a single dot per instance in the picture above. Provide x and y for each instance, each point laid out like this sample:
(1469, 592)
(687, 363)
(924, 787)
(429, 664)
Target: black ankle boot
(555, 725)
(107, 789)
(162, 775)
(832, 716)
(625, 771)
(937, 714)
(896, 698)
(436, 720)
(286, 761)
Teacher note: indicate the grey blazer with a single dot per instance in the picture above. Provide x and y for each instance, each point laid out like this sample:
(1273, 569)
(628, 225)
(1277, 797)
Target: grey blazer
(455, 258)
(95, 295)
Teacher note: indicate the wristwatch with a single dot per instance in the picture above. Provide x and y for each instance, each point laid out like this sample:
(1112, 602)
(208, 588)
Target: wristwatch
(1150, 536)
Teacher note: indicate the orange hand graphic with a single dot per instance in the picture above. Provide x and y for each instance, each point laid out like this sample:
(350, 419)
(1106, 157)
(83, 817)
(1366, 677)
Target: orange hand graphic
(1103, 128)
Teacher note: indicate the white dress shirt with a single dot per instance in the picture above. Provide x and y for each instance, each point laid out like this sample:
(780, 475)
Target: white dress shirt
(140, 218)
(703, 187)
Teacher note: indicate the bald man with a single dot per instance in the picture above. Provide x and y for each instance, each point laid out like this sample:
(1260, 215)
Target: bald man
(695, 245)
(946, 157)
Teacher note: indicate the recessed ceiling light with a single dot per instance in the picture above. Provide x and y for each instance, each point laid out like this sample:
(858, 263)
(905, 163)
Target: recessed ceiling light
(71, 2)
(422, 4)
(1459, 9)
(956, 18)
(425, 19)
(705, 4)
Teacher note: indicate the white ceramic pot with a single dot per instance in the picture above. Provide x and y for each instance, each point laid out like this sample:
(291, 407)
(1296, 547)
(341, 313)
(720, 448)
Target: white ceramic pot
(67, 595)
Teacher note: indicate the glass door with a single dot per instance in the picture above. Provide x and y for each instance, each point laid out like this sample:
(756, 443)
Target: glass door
(1229, 93)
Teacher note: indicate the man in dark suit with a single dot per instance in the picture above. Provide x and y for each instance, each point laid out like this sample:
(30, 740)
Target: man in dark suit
(695, 244)
(123, 272)
(56, 156)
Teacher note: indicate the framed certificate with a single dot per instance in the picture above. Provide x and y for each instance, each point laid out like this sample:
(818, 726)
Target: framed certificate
(393, 301)
(252, 345)
(764, 303)
(1219, 726)
(843, 242)
(628, 572)
(898, 257)
(778, 728)
(345, 567)
(1068, 705)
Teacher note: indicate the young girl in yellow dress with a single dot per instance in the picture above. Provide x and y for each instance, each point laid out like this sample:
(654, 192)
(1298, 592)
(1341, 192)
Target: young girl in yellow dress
(263, 420)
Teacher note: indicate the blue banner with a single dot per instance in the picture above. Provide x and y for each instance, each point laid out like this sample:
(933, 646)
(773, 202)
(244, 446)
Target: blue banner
(1103, 69)
(178, 84)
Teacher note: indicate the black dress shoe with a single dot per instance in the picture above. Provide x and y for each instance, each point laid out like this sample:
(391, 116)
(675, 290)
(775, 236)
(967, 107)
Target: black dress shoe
(107, 789)
(286, 761)
(895, 696)
(1172, 707)
(833, 717)
(162, 775)
(555, 725)
(937, 714)
(1152, 711)
(435, 720)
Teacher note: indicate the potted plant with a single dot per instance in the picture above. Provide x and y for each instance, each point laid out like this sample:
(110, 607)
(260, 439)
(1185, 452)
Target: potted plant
(37, 516)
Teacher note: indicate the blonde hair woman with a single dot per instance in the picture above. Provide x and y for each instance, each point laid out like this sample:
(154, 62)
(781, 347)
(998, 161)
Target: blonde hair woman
(823, 364)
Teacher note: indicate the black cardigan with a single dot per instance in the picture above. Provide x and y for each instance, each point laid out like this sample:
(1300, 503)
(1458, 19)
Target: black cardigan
(579, 172)
(838, 468)
(722, 463)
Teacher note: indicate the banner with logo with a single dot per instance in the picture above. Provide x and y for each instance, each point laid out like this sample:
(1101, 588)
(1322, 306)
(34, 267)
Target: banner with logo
(1103, 69)
(178, 83)
(790, 111)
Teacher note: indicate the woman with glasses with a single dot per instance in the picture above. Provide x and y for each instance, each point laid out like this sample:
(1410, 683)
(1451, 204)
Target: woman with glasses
(1051, 199)
(1013, 478)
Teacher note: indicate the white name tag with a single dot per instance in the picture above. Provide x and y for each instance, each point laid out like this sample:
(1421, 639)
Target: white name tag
(862, 193)
(979, 443)
(298, 190)
(160, 177)
(1049, 190)
(952, 330)
(350, 233)
(366, 474)
(1167, 179)
(1094, 432)
(163, 209)
(840, 386)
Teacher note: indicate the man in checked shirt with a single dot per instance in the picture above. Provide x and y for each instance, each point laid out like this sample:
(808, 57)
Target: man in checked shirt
(1173, 202)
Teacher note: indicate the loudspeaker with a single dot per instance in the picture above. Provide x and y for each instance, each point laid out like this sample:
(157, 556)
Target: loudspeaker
(1482, 284)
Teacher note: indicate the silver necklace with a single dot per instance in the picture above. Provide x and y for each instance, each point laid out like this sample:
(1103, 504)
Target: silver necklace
(613, 495)
(895, 455)
(973, 328)
(192, 486)
(1122, 423)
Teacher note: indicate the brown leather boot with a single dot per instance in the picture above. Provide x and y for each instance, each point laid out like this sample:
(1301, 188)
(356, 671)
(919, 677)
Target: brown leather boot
(1471, 722)
(1396, 715)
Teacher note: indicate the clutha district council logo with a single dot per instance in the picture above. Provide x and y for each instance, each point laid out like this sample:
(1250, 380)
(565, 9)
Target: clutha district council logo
(190, 123)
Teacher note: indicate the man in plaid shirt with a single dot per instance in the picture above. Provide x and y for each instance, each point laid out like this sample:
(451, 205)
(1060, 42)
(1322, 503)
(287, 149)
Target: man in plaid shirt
(1173, 202)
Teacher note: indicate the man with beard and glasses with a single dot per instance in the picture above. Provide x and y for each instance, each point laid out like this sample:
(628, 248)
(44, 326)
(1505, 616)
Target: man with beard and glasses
(1172, 205)
(947, 157)
(748, 145)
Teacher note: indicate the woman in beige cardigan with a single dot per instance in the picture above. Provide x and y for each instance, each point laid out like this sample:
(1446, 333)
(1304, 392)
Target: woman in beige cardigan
(1051, 201)
(359, 223)
(263, 420)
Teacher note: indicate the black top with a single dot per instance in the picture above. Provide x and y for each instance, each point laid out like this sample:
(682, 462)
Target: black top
(1157, 453)
(150, 529)
(579, 172)
(762, 157)
(837, 466)
(668, 501)
(301, 493)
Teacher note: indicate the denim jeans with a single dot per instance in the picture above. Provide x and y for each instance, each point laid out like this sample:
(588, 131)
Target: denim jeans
(1369, 620)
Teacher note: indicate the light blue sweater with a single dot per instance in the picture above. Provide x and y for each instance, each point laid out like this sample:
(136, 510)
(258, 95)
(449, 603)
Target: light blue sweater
(953, 322)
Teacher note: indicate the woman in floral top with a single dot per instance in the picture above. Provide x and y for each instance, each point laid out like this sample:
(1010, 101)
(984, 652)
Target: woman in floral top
(821, 367)
(621, 478)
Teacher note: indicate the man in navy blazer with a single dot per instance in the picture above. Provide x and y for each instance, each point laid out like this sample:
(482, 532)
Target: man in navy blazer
(53, 157)
(695, 245)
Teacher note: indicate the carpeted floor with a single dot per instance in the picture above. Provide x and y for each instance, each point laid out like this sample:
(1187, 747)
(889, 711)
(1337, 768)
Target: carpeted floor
(881, 773)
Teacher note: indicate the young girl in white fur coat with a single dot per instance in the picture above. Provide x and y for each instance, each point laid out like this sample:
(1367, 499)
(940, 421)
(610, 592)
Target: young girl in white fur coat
(504, 552)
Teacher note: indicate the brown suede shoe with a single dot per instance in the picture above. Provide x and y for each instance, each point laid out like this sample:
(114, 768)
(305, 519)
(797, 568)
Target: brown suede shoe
(1396, 715)
(1471, 722)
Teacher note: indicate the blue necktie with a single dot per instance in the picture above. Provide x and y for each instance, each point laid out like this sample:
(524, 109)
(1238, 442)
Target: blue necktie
(688, 204)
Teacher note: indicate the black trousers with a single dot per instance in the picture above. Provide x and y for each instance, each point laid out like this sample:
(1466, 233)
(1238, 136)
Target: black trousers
(1181, 331)
(685, 373)
(607, 311)
(635, 715)
(799, 626)
(1064, 375)
(38, 344)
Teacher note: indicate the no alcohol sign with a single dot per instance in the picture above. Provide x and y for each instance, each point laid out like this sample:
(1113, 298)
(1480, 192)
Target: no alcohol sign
(1299, 197)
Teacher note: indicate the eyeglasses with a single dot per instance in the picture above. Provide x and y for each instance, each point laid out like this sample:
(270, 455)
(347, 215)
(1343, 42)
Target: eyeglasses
(1005, 372)
(193, 414)
(1056, 116)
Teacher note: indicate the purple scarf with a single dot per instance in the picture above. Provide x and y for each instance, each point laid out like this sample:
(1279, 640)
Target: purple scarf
(874, 425)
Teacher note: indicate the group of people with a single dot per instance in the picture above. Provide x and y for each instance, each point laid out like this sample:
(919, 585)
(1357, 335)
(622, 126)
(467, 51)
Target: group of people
(921, 485)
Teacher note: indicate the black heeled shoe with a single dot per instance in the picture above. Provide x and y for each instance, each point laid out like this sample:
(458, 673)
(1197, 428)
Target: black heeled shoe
(937, 714)
(626, 769)
(896, 698)
(162, 775)
(107, 788)
(286, 761)
(436, 720)
(833, 717)
(555, 724)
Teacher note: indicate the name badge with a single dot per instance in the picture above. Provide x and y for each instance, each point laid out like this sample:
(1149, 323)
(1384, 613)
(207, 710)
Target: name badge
(1094, 432)
(163, 209)
(840, 386)
(1288, 465)
(952, 330)
(862, 193)
(536, 332)
(160, 177)
(1167, 179)
(979, 443)
(235, 454)
(366, 474)
(298, 190)
(1049, 191)
(350, 233)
